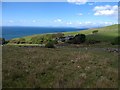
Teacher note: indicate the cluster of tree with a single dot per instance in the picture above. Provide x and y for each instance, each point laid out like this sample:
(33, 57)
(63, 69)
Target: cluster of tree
(78, 39)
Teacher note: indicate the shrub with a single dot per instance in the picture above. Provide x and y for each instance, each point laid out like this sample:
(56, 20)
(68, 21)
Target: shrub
(116, 41)
(80, 38)
(95, 31)
(55, 41)
(6, 41)
(49, 45)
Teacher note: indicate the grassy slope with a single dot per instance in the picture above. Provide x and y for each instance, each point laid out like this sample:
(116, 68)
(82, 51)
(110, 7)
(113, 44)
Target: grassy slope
(104, 34)
(62, 67)
(108, 30)
(59, 67)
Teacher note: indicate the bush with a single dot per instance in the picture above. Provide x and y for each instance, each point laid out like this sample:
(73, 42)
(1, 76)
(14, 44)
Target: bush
(95, 31)
(55, 41)
(116, 41)
(80, 38)
(50, 45)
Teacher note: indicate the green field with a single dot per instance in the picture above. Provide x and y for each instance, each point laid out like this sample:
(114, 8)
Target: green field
(105, 34)
(63, 67)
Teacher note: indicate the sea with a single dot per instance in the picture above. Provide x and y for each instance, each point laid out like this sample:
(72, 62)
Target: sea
(17, 32)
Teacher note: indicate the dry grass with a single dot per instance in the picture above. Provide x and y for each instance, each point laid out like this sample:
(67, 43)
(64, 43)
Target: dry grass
(59, 68)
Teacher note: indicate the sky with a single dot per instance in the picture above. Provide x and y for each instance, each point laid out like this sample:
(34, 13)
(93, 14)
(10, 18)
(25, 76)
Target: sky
(59, 14)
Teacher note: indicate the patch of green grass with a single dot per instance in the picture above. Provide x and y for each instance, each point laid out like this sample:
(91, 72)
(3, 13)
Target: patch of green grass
(105, 34)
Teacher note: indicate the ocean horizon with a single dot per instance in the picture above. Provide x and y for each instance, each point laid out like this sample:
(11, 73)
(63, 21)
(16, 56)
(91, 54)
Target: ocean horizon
(10, 32)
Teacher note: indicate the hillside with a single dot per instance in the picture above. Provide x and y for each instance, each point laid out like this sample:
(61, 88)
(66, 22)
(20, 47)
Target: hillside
(71, 66)
(107, 33)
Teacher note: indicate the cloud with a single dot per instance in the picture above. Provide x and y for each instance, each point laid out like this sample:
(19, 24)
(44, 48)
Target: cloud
(80, 14)
(90, 3)
(22, 21)
(80, 23)
(94, 24)
(58, 20)
(106, 10)
(34, 21)
(77, 2)
(88, 22)
(69, 23)
(11, 21)
(108, 23)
